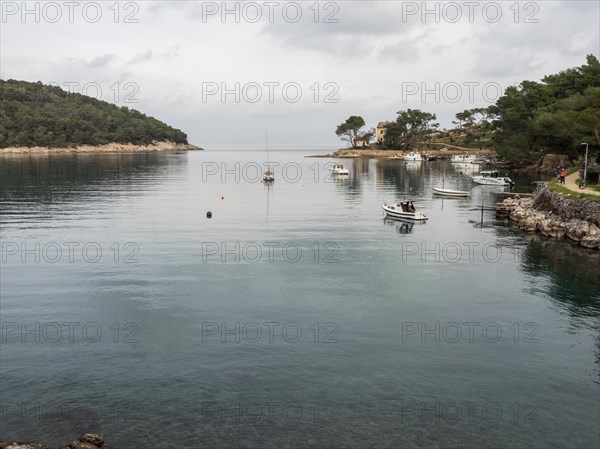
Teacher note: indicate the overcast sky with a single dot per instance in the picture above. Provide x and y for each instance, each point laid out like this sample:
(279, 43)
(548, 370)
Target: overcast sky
(315, 63)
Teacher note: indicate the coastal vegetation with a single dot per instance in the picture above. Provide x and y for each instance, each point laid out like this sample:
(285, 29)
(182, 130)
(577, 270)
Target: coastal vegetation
(351, 130)
(41, 115)
(551, 116)
(411, 128)
(529, 121)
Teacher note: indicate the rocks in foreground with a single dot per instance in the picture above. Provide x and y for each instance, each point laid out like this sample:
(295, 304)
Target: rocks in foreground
(557, 217)
(88, 441)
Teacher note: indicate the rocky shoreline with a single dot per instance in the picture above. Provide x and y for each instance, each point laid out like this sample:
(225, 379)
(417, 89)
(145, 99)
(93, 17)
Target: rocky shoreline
(108, 148)
(373, 153)
(555, 216)
(88, 441)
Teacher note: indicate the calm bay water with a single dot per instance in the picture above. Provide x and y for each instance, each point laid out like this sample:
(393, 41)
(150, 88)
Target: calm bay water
(295, 317)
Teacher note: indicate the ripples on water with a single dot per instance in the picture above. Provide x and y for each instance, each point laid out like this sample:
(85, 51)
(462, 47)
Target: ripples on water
(359, 375)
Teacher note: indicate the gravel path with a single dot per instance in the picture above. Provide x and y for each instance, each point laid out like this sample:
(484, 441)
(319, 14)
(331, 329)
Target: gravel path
(571, 184)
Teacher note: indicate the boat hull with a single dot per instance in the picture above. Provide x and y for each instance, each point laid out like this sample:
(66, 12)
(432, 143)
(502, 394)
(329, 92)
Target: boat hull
(491, 182)
(413, 157)
(395, 213)
(447, 192)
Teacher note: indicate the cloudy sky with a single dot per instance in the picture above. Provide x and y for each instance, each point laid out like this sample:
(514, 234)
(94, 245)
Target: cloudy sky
(224, 72)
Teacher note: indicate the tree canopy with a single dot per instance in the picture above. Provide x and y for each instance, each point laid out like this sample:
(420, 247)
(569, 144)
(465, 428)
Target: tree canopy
(350, 130)
(36, 114)
(551, 116)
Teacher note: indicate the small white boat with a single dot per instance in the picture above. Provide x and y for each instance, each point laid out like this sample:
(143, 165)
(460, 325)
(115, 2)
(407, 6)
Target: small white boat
(465, 159)
(491, 178)
(338, 170)
(449, 192)
(466, 167)
(403, 209)
(413, 157)
(268, 176)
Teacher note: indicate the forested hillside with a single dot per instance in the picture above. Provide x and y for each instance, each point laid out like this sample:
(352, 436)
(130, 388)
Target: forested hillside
(552, 116)
(35, 114)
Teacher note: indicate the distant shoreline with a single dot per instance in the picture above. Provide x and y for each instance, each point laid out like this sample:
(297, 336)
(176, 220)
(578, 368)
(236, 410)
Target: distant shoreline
(107, 148)
(375, 153)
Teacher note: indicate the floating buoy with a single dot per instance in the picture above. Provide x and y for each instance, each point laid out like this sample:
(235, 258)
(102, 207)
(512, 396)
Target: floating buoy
(209, 214)
(222, 197)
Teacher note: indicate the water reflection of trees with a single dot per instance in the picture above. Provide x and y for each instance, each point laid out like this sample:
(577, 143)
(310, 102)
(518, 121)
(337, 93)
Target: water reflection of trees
(403, 177)
(68, 177)
(352, 185)
(572, 273)
(574, 281)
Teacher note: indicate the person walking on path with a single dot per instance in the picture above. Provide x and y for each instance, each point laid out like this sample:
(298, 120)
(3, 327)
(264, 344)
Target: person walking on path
(563, 173)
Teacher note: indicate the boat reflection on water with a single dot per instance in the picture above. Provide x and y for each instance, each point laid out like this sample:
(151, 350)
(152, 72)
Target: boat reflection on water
(404, 227)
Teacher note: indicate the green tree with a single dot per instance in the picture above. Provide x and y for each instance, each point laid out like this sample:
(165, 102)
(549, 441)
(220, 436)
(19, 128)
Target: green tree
(350, 130)
(463, 117)
(416, 125)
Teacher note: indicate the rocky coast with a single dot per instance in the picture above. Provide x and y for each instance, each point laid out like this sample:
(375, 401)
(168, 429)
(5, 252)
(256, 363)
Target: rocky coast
(378, 153)
(87, 441)
(555, 216)
(108, 148)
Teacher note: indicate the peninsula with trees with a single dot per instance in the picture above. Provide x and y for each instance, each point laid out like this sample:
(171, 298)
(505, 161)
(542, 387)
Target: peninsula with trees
(41, 118)
(531, 125)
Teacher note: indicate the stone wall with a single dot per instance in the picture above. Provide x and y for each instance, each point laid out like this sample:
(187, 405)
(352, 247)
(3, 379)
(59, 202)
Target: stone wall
(557, 217)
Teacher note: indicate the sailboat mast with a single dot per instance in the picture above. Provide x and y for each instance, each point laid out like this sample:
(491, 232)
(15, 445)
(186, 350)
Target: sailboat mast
(268, 176)
(267, 141)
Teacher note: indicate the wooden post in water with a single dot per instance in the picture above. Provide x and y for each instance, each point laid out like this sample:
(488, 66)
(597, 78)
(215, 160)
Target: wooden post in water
(482, 214)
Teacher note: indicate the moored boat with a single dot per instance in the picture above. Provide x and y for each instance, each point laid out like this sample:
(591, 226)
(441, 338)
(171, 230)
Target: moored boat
(339, 170)
(465, 159)
(268, 176)
(413, 157)
(491, 178)
(404, 210)
(450, 192)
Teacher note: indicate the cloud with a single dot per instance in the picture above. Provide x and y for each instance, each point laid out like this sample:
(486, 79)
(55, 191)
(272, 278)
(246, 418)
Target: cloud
(100, 61)
(370, 50)
(147, 56)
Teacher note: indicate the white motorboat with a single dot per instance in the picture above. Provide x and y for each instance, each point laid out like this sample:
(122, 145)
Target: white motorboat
(465, 159)
(466, 167)
(339, 170)
(413, 157)
(403, 209)
(449, 192)
(491, 178)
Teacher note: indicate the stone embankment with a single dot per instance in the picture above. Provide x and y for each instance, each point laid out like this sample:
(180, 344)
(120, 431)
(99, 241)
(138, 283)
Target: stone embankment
(108, 148)
(88, 441)
(556, 216)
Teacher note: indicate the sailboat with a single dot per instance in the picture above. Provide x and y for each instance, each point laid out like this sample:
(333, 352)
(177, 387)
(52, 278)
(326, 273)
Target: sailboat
(448, 192)
(268, 176)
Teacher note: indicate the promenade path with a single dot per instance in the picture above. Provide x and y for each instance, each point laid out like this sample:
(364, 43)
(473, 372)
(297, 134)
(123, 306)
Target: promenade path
(571, 184)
